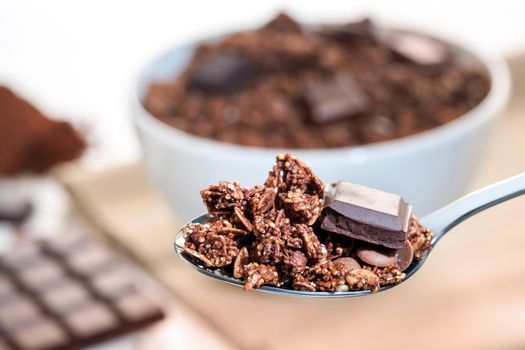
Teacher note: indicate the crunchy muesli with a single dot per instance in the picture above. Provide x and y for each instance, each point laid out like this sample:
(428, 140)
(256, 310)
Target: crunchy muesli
(270, 235)
(286, 85)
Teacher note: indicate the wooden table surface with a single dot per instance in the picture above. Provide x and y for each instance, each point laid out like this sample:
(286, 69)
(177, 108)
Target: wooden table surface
(469, 295)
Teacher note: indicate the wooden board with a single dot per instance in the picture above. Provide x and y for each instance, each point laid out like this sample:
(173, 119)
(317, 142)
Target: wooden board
(469, 295)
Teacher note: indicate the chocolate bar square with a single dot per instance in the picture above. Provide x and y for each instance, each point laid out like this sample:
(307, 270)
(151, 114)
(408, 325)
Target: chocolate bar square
(91, 259)
(41, 276)
(18, 310)
(112, 283)
(93, 318)
(65, 296)
(42, 334)
(21, 257)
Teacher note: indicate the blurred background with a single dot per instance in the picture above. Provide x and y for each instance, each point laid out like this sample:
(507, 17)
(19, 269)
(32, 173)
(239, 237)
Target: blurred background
(79, 61)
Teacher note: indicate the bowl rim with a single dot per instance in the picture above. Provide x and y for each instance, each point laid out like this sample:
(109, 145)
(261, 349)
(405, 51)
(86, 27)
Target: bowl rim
(486, 110)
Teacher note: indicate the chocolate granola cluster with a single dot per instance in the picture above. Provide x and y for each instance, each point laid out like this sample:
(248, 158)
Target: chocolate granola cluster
(268, 235)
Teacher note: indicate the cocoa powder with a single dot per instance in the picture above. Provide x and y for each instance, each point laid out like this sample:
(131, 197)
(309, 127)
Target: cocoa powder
(29, 141)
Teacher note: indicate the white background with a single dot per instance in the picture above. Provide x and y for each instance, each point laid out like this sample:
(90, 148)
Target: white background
(76, 59)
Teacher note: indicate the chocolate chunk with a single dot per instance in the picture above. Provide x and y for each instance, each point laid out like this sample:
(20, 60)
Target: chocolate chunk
(18, 310)
(42, 334)
(348, 263)
(15, 211)
(367, 214)
(333, 99)
(416, 48)
(336, 223)
(220, 72)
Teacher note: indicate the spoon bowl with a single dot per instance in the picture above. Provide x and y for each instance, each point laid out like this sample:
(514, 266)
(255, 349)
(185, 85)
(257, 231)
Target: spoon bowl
(219, 275)
(439, 222)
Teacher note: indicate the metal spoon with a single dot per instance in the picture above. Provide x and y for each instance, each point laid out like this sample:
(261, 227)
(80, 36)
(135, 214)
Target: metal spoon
(440, 222)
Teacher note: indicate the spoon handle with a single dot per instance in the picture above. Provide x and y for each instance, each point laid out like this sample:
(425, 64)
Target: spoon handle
(444, 219)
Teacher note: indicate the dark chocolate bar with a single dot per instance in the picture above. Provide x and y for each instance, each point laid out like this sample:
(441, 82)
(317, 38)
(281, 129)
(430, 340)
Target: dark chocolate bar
(68, 294)
(367, 214)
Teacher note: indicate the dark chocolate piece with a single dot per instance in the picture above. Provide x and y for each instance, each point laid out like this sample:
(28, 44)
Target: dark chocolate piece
(370, 206)
(336, 223)
(367, 214)
(15, 211)
(220, 72)
(333, 99)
